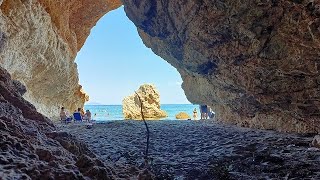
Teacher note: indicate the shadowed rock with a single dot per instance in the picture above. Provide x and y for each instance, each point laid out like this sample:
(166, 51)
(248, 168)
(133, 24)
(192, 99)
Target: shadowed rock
(30, 147)
(255, 62)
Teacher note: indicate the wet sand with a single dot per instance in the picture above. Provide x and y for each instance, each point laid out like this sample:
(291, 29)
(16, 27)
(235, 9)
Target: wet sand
(200, 150)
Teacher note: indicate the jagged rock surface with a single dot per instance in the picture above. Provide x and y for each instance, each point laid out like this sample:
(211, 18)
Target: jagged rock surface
(39, 40)
(30, 146)
(150, 98)
(255, 62)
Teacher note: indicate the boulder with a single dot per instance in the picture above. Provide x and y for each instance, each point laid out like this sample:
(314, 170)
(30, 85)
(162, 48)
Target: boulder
(182, 115)
(150, 98)
(316, 141)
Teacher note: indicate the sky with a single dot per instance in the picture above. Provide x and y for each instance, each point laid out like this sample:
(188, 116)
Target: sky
(114, 62)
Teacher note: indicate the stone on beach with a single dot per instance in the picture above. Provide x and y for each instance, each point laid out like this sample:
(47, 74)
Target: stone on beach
(316, 141)
(150, 98)
(182, 115)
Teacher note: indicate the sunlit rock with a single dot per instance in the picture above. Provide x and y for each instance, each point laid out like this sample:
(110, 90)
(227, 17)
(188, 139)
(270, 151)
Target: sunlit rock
(150, 98)
(39, 40)
(182, 115)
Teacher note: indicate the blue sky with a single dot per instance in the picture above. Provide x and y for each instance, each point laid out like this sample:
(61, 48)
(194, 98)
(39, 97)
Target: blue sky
(114, 62)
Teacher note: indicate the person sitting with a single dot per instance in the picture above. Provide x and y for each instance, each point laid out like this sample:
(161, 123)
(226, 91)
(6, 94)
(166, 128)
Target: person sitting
(81, 111)
(87, 116)
(77, 115)
(210, 113)
(64, 116)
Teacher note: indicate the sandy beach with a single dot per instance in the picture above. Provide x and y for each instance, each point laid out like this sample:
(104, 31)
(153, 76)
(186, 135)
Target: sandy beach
(200, 150)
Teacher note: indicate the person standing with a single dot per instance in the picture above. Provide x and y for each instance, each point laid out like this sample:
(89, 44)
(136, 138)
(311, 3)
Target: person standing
(195, 114)
(201, 113)
(204, 111)
(210, 113)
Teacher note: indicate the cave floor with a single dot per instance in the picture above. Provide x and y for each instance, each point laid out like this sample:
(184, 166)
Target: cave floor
(201, 150)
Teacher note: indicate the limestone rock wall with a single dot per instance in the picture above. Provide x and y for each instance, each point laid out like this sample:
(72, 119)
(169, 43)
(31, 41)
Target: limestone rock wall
(150, 98)
(255, 62)
(39, 40)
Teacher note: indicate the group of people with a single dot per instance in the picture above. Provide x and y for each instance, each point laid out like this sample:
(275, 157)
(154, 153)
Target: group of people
(78, 115)
(205, 112)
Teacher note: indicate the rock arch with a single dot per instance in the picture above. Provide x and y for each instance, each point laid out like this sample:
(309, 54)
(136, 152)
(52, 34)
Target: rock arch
(255, 62)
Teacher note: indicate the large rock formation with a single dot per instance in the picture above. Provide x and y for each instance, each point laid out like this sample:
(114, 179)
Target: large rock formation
(30, 146)
(182, 115)
(150, 98)
(39, 40)
(255, 62)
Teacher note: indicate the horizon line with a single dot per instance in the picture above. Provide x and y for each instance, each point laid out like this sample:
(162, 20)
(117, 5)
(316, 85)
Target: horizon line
(121, 104)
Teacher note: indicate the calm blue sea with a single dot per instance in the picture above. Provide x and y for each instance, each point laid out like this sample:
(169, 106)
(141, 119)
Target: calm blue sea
(114, 112)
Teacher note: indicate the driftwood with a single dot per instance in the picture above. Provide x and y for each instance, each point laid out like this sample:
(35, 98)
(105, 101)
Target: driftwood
(146, 160)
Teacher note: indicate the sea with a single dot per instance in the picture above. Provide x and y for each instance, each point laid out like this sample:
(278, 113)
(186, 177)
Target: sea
(114, 112)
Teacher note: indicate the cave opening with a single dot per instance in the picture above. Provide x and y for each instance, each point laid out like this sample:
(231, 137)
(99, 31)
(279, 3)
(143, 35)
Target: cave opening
(114, 62)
